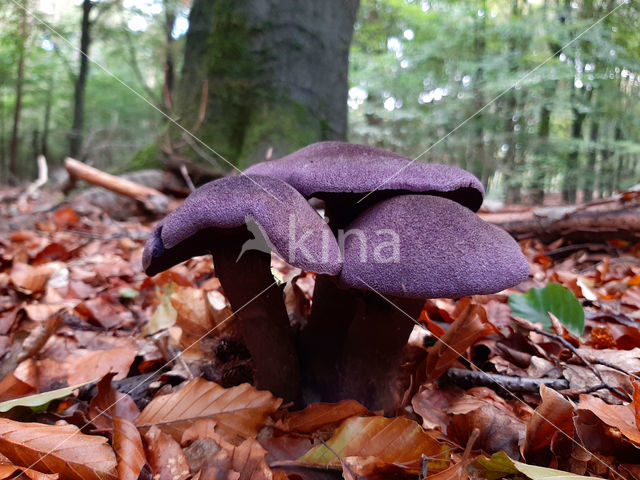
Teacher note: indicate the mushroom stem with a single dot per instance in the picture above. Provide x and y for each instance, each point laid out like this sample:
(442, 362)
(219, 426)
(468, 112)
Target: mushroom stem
(259, 305)
(372, 352)
(322, 340)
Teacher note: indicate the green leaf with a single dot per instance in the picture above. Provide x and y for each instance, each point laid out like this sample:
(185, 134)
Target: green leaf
(128, 293)
(536, 304)
(500, 466)
(40, 401)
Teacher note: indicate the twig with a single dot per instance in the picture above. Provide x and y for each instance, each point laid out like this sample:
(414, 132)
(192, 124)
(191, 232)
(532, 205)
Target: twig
(470, 378)
(187, 178)
(43, 176)
(529, 326)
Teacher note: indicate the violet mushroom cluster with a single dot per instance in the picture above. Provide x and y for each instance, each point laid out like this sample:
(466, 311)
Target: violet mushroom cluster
(401, 232)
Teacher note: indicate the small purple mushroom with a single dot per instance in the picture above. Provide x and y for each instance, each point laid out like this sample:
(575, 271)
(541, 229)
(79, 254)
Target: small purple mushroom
(218, 218)
(414, 247)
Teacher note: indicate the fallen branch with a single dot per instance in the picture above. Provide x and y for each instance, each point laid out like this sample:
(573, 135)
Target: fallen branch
(43, 176)
(615, 217)
(151, 199)
(471, 378)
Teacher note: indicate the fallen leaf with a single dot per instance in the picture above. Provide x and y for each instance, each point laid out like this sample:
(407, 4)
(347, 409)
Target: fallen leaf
(109, 403)
(499, 428)
(621, 417)
(395, 441)
(41, 399)
(552, 417)
(247, 460)
(65, 217)
(501, 466)
(460, 335)
(319, 415)
(13, 471)
(164, 316)
(239, 411)
(58, 449)
(128, 447)
(30, 279)
(166, 458)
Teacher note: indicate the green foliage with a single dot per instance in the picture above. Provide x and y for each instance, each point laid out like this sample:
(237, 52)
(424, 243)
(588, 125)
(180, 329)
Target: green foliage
(537, 303)
(501, 466)
(437, 77)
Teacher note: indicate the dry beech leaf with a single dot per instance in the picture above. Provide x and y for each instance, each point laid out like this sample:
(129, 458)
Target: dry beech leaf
(13, 471)
(621, 417)
(65, 216)
(109, 403)
(319, 415)
(127, 444)
(239, 411)
(166, 458)
(499, 428)
(471, 325)
(58, 449)
(553, 416)
(30, 279)
(394, 441)
(247, 460)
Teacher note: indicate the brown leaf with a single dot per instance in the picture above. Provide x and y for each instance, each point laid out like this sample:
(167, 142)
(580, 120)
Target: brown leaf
(499, 428)
(30, 279)
(109, 403)
(247, 460)
(431, 405)
(239, 411)
(58, 449)
(64, 217)
(395, 441)
(319, 415)
(127, 444)
(13, 471)
(621, 417)
(166, 458)
(471, 325)
(553, 416)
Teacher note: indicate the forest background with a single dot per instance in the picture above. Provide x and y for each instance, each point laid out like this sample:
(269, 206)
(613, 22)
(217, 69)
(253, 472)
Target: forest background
(537, 98)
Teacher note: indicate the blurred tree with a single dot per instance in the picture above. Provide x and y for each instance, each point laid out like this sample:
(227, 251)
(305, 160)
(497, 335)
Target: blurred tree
(22, 39)
(271, 74)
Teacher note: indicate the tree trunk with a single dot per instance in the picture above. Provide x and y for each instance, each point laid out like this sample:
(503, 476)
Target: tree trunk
(590, 180)
(513, 181)
(616, 217)
(479, 158)
(169, 62)
(570, 184)
(46, 127)
(13, 148)
(75, 138)
(276, 72)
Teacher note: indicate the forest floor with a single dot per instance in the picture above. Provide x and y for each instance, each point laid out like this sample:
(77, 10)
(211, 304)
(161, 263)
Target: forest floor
(76, 308)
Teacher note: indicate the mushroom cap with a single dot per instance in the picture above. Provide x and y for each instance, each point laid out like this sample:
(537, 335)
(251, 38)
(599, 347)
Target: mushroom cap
(339, 167)
(443, 250)
(291, 227)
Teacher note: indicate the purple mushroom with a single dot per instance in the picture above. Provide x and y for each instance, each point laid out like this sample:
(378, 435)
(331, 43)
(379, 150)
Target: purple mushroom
(349, 179)
(221, 218)
(413, 247)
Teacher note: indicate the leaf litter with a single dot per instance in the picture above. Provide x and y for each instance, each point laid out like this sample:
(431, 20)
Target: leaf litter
(75, 306)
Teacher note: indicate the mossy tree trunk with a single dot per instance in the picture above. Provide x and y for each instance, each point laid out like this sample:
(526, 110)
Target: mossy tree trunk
(274, 73)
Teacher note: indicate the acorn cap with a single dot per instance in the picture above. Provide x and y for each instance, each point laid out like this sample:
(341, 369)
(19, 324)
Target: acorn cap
(337, 167)
(288, 223)
(422, 246)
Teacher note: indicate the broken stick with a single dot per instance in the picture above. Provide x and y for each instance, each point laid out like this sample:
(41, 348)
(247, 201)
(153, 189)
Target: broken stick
(151, 199)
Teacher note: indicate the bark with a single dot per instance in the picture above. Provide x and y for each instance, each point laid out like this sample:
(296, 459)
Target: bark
(44, 147)
(616, 217)
(570, 184)
(590, 181)
(276, 73)
(75, 138)
(169, 61)
(13, 148)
